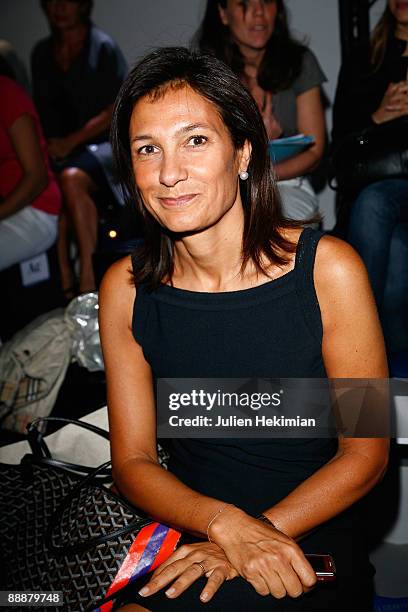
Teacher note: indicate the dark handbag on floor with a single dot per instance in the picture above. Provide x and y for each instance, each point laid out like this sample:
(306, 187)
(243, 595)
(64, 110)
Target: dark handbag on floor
(373, 154)
(62, 529)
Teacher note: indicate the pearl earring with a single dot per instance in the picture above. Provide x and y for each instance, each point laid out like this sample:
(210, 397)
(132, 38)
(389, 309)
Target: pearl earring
(243, 175)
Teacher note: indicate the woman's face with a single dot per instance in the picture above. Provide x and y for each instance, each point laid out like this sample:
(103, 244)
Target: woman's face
(251, 22)
(64, 14)
(184, 162)
(399, 8)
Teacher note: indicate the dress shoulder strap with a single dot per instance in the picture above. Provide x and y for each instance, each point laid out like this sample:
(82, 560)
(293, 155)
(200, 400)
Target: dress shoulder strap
(304, 266)
(306, 249)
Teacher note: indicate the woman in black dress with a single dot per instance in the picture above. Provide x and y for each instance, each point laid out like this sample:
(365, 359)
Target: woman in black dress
(227, 288)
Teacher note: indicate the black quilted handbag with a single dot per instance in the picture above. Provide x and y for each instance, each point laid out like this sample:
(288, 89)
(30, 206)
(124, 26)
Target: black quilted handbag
(62, 529)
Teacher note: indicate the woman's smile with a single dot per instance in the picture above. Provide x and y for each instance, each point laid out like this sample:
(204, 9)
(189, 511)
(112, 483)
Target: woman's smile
(178, 201)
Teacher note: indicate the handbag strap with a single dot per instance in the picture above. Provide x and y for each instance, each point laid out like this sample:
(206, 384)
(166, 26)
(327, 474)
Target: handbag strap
(72, 468)
(39, 446)
(91, 542)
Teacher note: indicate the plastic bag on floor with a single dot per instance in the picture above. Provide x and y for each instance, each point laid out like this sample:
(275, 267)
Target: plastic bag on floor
(81, 317)
(34, 362)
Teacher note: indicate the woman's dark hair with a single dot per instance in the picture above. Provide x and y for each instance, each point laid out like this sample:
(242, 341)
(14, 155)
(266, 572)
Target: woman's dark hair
(175, 67)
(379, 40)
(282, 62)
(86, 8)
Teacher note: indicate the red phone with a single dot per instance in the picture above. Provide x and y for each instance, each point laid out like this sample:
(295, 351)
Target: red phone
(324, 567)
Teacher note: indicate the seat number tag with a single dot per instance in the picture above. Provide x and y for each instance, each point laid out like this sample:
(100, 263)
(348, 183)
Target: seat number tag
(35, 270)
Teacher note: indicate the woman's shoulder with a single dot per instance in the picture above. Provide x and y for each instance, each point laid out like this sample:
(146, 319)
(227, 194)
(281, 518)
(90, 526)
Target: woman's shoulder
(339, 272)
(102, 39)
(9, 86)
(311, 73)
(334, 259)
(332, 251)
(308, 55)
(310, 60)
(103, 49)
(14, 102)
(117, 288)
(120, 271)
(100, 35)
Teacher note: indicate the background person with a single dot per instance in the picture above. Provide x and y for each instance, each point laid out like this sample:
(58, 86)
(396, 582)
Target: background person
(370, 95)
(284, 77)
(76, 74)
(30, 199)
(226, 287)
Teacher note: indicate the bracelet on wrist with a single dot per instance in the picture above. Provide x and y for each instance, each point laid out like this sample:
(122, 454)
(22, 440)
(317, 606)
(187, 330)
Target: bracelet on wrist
(214, 517)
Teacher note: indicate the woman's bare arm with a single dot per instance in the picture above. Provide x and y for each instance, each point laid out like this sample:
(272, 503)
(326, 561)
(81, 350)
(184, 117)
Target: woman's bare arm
(25, 140)
(132, 416)
(312, 123)
(352, 348)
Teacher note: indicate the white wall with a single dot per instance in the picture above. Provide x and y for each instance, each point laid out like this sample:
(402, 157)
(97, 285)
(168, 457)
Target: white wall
(319, 21)
(139, 25)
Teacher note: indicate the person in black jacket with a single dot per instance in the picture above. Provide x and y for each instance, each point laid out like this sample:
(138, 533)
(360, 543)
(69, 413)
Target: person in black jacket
(369, 95)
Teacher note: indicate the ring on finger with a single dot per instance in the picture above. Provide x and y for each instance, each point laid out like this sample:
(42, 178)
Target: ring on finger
(204, 571)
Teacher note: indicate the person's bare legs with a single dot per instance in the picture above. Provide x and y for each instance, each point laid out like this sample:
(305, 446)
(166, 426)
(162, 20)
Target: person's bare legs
(77, 187)
(67, 275)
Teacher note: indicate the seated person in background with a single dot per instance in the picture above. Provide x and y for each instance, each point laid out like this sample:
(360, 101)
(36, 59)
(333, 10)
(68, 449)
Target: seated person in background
(30, 199)
(76, 73)
(226, 287)
(283, 76)
(370, 95)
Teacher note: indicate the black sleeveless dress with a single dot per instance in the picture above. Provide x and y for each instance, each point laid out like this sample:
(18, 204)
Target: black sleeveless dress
(273, 330)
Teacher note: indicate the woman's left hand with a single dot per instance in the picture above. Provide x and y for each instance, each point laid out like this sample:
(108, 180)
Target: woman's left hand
(186, 565)
(272, 125)
(264, 556)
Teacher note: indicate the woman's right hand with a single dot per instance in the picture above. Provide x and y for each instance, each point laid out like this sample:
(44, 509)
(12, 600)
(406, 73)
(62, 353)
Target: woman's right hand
(394, 103)
(267, 558)
(186, 565)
